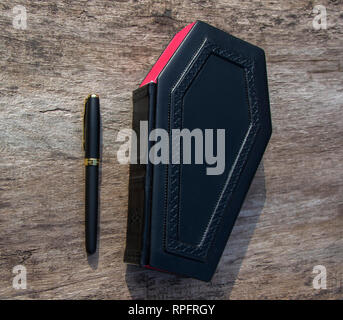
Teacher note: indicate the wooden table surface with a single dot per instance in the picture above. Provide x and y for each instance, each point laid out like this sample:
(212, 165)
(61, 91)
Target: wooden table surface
(292, 218)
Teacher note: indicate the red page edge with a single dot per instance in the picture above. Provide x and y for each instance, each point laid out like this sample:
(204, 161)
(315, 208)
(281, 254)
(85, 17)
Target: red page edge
(166, 55)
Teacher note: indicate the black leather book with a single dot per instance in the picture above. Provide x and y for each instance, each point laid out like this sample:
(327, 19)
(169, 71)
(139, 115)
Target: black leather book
(181, 214)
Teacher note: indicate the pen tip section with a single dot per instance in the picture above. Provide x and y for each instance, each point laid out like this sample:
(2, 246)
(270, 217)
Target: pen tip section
(94, 96)
(91, 248)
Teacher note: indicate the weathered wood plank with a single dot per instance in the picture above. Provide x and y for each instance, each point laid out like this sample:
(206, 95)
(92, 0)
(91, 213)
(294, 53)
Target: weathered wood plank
(292, 218)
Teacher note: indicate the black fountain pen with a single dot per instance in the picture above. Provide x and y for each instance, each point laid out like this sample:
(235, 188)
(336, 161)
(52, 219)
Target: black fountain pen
(91, 145)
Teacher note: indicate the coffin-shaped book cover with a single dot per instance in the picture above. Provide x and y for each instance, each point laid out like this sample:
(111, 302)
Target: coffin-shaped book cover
(180, 215)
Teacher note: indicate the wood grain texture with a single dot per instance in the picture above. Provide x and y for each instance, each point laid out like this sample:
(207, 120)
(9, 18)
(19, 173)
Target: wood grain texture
(292, 218)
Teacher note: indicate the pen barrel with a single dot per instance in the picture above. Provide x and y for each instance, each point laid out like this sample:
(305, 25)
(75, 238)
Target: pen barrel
(92, 155)
(92, 202)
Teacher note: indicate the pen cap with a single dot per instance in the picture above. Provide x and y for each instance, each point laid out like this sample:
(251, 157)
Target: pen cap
(92, 127)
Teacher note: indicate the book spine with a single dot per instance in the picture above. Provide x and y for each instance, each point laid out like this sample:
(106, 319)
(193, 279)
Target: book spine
(148, 178)
(138, 219)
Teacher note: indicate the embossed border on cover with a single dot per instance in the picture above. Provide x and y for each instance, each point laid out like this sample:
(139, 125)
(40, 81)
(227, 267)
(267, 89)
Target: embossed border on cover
(172, 243)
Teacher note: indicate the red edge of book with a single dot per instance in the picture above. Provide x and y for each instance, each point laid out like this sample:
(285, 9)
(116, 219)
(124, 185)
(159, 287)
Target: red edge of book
(159, 66)
(166, 55)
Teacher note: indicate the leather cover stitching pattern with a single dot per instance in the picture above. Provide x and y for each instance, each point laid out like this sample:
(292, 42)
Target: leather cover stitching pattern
(172, 243)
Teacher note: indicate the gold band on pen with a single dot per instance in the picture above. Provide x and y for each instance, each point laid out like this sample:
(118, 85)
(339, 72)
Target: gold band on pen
(91, 162)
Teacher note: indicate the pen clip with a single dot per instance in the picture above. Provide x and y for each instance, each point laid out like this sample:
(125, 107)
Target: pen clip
(84, 122)
(84, 119)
